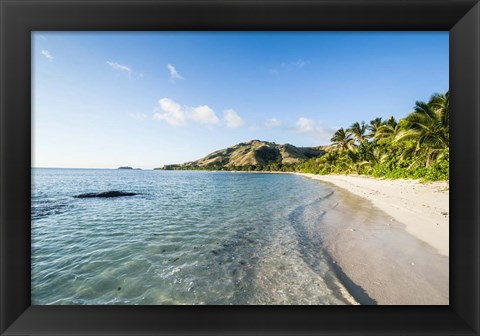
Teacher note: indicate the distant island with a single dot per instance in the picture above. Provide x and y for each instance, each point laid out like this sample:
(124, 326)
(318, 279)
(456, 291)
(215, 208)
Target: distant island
(127, 167)
(416, 146)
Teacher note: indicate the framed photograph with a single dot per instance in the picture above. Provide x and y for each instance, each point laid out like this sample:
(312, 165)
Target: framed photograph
(225, 167)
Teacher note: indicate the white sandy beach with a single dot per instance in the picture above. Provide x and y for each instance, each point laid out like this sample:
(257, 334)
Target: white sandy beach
(394, 250)
(421, 207)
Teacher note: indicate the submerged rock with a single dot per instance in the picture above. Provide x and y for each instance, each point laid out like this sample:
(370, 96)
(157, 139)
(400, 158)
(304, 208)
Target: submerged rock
(106, 194)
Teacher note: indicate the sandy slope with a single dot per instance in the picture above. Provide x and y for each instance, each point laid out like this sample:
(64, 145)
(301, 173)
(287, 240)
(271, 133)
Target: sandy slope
(395, 252)
(421, 207)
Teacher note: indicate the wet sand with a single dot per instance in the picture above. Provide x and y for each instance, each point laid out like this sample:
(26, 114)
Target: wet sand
(422, 207)
(377, 255)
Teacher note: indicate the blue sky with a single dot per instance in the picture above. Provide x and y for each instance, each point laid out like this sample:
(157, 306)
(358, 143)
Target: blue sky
(103, 100)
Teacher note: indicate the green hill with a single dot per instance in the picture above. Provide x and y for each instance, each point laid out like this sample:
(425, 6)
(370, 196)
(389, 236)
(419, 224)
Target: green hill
(252, 155)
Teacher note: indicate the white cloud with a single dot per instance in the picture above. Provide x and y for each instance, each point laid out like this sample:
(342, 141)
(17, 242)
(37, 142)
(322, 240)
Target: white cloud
(232, 119)
(170, 112)
(137, 116)
(173, 73)
(273, 122)
(120, 67)
(47, 54)
(305, 125)
(317, 130)
(203, 115)
(300, 63)
(287, 67)
(176, 115)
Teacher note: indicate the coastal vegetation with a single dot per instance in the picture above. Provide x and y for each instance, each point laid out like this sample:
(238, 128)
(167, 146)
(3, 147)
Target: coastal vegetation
(416, 146)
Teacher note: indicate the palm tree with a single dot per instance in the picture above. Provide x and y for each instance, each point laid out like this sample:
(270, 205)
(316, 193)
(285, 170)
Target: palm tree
(357, 163)
(342, 139)
(328, 161)
(391, 122)
(389, 130)
(331, 157)
(428, 125)
(441, 103)
(377, 155)
(358, 131)
(375, 124)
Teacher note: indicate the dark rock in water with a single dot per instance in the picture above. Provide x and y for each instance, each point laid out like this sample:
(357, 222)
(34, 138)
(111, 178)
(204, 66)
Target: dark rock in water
(106, 194)
(125, 167)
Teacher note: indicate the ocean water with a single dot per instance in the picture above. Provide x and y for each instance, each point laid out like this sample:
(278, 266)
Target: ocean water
(188, 238)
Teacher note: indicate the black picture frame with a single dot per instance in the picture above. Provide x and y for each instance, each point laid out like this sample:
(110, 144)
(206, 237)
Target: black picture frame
(20, 17)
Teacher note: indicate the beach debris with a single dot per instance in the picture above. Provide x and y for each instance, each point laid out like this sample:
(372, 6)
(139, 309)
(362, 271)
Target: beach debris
(391, 219)
(106, 194)
(445, 213)
(353, 230)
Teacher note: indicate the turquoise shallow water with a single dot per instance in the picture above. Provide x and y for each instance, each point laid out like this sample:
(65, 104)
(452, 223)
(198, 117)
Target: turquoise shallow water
(187, 238)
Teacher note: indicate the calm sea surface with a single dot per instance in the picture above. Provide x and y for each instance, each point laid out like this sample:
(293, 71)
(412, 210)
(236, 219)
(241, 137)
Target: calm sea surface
(187, 238)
